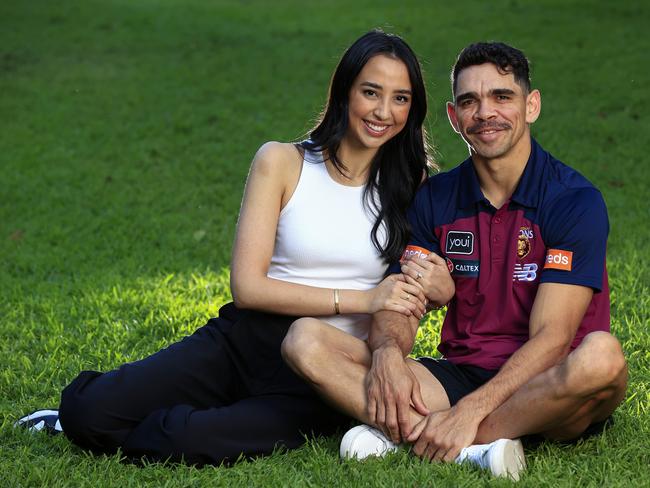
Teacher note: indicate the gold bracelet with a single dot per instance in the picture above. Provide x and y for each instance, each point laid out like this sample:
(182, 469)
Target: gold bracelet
(336, 301)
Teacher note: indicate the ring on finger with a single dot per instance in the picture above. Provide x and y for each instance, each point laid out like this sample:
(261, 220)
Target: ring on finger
(418, 276)
(407, 297)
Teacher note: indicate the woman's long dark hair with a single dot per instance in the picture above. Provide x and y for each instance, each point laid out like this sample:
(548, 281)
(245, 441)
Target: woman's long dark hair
(397, 169)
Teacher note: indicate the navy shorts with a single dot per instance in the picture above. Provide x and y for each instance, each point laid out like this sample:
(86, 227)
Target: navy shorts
(458, 380)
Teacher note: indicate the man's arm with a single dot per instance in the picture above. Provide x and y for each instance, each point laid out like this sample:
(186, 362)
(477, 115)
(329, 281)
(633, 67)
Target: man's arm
(556, 315)
(393, 329)
(391, 385)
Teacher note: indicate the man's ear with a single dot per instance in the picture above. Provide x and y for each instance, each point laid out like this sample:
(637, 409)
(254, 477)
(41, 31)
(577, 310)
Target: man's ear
(533, 106)
(451, 115)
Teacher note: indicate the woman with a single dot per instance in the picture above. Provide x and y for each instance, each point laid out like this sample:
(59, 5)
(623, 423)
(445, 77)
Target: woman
(318, 223)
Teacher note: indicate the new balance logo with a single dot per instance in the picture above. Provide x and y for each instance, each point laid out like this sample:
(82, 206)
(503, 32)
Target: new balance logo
(525, 272)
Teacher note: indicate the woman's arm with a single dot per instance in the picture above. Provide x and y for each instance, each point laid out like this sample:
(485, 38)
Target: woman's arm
(271, 181)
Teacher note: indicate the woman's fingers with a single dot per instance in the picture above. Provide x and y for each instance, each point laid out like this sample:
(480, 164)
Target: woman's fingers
(415, 296)
(415, 290)
(417, 269)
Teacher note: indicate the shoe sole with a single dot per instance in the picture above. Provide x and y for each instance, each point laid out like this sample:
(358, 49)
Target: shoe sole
(508, 460)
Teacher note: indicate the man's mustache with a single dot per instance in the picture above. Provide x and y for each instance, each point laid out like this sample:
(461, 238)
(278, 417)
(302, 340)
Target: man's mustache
(481, 126)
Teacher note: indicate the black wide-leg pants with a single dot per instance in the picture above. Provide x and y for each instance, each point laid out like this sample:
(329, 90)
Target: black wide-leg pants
(216, 395)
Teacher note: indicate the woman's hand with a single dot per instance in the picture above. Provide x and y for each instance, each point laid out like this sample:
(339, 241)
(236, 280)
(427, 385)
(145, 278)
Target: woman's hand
(394, 293)
(432, 274)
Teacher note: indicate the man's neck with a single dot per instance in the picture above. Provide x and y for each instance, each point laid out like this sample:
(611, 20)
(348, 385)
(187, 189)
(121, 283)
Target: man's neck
(499, 177)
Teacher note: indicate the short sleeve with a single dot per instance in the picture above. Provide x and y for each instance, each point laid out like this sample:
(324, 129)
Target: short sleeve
(421, 220)
(575, 233)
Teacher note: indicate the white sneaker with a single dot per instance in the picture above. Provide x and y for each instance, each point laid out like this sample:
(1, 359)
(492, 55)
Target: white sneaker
(503, 457)
(362, 441)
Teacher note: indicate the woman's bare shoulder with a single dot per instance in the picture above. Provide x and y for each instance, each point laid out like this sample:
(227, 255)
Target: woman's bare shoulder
(283, 157)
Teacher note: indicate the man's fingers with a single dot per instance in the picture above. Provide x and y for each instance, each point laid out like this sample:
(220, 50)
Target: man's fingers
(420, 445)
(381, 415)
(403, 418)
(416, 399)
(417, 430)
(451, 455)
(430, 452)
(391, 422)
(372, 410)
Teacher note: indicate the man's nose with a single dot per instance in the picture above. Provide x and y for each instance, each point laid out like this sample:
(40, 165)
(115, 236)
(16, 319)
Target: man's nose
(485, 110)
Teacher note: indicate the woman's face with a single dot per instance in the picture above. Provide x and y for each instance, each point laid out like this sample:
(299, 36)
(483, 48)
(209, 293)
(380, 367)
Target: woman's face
(379, 102)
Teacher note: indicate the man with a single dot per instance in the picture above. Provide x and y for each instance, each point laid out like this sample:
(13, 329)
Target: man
(526, 340)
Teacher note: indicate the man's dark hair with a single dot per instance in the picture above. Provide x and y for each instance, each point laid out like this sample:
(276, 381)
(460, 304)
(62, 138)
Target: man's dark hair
(506, 58)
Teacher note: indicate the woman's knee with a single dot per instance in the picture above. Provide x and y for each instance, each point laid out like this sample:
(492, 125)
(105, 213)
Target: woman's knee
(303, 340)
(82, 415)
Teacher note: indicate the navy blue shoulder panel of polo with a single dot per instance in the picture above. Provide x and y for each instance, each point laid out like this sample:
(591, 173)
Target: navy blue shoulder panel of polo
(553, 229)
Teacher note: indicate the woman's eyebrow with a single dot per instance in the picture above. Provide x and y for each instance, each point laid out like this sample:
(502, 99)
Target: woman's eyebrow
(377, 86)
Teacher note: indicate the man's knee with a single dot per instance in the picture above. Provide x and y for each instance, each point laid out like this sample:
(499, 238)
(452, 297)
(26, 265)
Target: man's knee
(303, 343)
(597, 367)
(604, 362)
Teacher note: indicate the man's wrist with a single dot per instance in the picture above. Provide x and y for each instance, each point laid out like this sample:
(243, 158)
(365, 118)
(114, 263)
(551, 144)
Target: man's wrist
(387, 347)
(478, 406)
(435, 305)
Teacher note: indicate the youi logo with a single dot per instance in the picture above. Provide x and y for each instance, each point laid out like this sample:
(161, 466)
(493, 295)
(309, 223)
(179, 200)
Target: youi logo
(459, 242)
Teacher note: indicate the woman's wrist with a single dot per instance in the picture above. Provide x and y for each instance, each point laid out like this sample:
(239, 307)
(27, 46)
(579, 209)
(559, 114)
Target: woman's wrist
(355, 301)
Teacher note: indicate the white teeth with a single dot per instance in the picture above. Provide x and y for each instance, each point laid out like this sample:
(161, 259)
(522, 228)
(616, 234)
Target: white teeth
(377, 128)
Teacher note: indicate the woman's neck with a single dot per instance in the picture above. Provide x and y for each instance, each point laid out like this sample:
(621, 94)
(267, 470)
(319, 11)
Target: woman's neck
(357, 161)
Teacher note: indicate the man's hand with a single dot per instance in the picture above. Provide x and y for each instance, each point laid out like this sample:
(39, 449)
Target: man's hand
(432, 275)
(440, 436)
(392, 388)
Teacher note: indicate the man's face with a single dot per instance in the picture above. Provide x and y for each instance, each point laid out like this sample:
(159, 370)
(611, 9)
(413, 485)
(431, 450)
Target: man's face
(492, 112)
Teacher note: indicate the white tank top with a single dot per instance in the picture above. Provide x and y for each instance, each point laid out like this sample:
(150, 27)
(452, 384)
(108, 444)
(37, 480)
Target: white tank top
(323, 239)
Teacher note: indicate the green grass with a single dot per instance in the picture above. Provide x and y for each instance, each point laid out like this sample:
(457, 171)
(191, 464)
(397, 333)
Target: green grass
(126, 131)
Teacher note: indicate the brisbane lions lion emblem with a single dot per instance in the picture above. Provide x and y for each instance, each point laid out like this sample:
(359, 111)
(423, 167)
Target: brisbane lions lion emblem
(523, 242)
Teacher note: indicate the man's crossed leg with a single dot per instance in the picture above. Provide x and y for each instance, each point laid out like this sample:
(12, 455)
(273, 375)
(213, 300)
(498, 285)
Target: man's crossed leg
(559, 403)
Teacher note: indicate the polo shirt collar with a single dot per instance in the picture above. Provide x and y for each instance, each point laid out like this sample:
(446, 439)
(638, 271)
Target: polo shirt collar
(470, 190)
(527, 191)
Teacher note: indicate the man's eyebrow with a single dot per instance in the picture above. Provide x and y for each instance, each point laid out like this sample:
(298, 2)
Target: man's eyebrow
(377, 86)
(502, 91)
(466, 96)
(493, 92)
